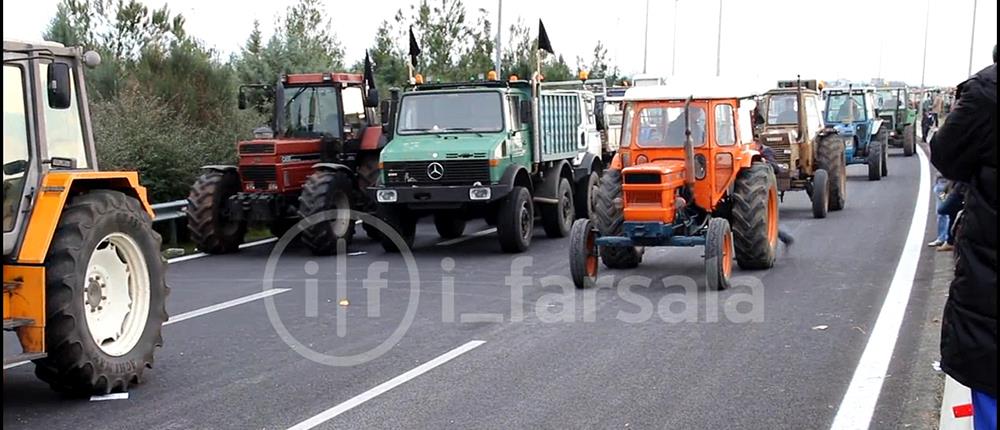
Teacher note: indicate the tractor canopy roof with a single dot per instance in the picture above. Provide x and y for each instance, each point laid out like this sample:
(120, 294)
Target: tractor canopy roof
(698, 88)
(469, 85)
(350, 79)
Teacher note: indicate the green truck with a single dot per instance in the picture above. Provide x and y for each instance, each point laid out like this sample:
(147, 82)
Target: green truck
(496, 150)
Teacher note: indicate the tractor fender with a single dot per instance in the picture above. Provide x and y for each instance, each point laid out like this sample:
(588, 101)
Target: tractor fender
(517, 175)
(876, 125)
(372, 138)
(589, 163)
(222, 168)
(549, 188)
(333, 167)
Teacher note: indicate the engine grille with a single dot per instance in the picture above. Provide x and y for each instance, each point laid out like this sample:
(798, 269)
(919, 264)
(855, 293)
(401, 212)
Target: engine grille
(453, 172)
(259, 174)
(642, 178)
(257, 148)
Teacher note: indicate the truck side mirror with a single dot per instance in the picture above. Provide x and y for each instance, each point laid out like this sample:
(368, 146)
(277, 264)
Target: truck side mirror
(525, 112)
(16, 167)
(59, 87)
(241, 101)
(371, 100)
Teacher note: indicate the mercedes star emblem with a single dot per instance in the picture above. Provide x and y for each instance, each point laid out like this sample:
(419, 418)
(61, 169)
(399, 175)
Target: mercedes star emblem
(435, 171)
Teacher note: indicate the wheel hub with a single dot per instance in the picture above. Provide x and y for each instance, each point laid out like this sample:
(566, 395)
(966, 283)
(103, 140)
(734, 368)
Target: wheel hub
(116, 294)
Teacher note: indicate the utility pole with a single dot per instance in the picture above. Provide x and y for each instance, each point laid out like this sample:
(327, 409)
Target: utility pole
(718, 45)
(645, 40)
(972, 42)
(673, 51)
(927, 23)
(496, 61)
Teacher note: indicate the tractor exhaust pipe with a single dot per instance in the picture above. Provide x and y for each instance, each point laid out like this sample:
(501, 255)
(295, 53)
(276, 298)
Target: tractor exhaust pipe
(688, 146)
(801, 111)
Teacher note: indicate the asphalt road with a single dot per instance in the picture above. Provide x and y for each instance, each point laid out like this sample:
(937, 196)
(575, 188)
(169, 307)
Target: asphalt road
(593, 369)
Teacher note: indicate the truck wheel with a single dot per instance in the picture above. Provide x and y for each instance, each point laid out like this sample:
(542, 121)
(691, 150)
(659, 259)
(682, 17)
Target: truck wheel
(449, 226)
(105, 296)
(558, 218)
(584, 198)
(583, 254)
(755, 217)
(831, 158)
(211, 228)
(718, 254)
(909, 140)
(402, 221)
(323, 191)
(821, 193)
(516, 221)
(610, 220)
(875, 159)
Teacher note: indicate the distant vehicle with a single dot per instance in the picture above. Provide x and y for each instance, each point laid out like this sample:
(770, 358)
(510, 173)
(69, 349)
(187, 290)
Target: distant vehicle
(894, 106)
(647, 81)
(851, 112)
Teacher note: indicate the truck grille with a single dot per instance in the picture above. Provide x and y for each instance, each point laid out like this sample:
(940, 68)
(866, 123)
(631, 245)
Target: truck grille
(257, 148)
(453, 172)
(259, 174)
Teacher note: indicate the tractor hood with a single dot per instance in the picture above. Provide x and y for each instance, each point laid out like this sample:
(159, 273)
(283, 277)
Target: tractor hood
(425, 147)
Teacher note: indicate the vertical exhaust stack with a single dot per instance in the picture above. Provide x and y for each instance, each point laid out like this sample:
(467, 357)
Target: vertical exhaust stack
(800, 110)
(688, 146)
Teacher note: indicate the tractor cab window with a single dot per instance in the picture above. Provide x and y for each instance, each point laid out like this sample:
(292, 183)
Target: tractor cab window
(783, 109)
(841, 108)
(887, 100)
(725, 126)
(451, 112)
(664, 126)
(312, 111)
(354, 107)
(63, 130)
(15, 143)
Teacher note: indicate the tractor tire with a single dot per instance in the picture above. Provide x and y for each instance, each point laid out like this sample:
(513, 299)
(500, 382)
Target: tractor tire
(371, 231)
(885, 160)
(449, 226)
(584, 197)
(402, 222)
(754, 218)
(104, 246)
(280, 226)
(324, 191)
(909, 140)
(610, 220)
(211, 230)
(718, 254)
(557, 219)
(516, 221)
(821, 193)
(874, 161)
(830, 157)
(583, 254)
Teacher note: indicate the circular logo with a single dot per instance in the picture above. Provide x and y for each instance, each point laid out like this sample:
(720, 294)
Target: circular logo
(435, 171)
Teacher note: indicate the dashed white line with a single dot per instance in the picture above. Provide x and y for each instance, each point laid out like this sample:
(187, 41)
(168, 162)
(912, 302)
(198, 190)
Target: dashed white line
(382, 388)
(856, 409)
(468, 237)
(202, 254)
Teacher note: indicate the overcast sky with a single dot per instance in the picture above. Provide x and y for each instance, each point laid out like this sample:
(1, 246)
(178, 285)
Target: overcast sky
(761, 39)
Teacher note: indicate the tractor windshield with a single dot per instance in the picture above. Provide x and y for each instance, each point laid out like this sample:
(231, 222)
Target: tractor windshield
(783, 109)
(663, 127)
(841, 108)
(312, 112)
(451, 112)
(888, 100)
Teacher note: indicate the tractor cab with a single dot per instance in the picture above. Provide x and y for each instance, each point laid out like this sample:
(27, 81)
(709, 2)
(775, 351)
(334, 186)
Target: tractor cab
(852, 113)
(899, 114)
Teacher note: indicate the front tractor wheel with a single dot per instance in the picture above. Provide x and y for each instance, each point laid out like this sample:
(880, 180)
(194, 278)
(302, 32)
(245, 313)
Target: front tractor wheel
(821, 193)
(754, 218)
(831, 158)
(325, 191)
(105, 296)
(610, 219)
(875, 158)
(212, 229)
(718, 254)
(583, 254)
(909, 140)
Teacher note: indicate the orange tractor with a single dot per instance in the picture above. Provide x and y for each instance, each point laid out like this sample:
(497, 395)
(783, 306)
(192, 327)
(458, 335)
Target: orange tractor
(686, 175)
(83, 279)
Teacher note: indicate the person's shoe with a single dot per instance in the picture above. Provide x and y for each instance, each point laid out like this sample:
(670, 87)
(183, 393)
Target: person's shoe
(936, 243)
(946, 247)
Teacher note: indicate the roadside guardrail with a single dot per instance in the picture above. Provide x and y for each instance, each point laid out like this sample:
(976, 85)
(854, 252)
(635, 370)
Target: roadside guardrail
(170, 212)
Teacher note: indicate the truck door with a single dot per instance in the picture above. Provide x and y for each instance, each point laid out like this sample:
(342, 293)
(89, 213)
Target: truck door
(590, 137)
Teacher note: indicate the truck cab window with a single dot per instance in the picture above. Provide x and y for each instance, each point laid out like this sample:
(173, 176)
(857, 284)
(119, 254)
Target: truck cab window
(63, 130)
(15, 143)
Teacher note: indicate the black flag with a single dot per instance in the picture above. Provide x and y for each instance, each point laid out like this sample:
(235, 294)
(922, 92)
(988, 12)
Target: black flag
(369, 73)
(543, 39)
(414, 49)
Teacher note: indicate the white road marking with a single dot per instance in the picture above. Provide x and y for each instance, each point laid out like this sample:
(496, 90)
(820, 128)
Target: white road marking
(465, 238)
(200, 312)
(112, 396)
(384, 387)
(202, 254)
(858, 405)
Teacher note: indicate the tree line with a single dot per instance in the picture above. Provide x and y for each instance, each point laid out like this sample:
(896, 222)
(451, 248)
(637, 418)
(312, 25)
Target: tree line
(164, 103)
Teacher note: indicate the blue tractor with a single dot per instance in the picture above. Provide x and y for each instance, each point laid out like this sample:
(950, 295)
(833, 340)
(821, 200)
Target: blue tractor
(851, 112)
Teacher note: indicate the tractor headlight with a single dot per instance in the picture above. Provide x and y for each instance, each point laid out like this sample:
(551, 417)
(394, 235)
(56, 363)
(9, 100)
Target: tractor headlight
(386, 196)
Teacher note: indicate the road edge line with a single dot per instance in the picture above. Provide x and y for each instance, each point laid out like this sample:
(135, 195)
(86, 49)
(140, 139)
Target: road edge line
(196, 256)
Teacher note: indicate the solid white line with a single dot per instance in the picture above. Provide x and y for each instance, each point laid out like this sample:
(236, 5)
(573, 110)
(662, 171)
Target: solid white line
(15, 364)
(382, 388)
(465, 238)
(202, 254)
(112, 396)
(225, 305)
(859, 402)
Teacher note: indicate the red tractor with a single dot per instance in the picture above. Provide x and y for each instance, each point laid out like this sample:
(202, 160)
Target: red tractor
(319, 152)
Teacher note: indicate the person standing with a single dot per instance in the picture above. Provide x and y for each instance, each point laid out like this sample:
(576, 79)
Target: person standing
(965, 149)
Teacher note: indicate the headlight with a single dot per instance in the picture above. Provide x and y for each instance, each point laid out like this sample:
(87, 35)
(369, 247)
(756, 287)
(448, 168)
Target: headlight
(386, 196)
(480, 193)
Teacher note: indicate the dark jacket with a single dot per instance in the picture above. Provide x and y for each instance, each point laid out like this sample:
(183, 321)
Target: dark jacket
(965, 150)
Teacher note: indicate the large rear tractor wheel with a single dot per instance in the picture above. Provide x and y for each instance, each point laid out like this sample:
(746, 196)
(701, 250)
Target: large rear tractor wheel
(449, 226)
(323, 191)
(610, 220)
(909, 140)
(211, 228)
(583, 254)
(557, 219)
(718, 254)
(105, 296)
(754, 218)
(820, 194)
(586, 190)
(516, 221)
(875, 158)
(885, 160)
(831, 157)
